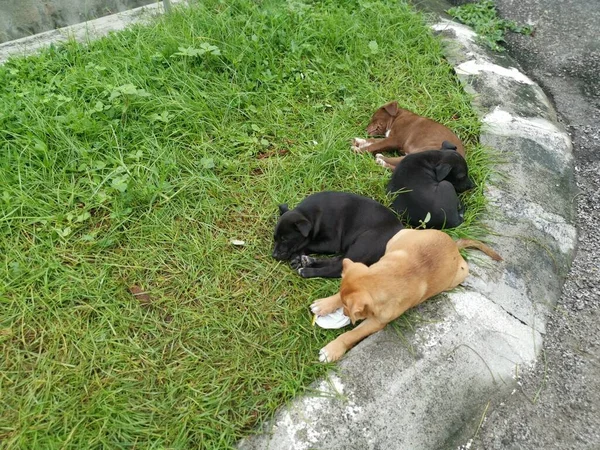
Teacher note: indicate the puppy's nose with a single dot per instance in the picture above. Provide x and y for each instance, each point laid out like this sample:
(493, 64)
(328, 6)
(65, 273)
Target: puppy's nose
(470, 184)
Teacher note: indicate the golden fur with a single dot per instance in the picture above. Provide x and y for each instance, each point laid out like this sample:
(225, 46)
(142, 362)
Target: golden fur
(417, 265)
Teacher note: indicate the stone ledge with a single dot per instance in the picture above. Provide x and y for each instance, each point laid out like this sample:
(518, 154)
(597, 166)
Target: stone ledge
(92, 29)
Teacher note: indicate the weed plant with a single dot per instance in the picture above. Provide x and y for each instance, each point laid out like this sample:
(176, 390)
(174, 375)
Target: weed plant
(130, 164)
(490, 28)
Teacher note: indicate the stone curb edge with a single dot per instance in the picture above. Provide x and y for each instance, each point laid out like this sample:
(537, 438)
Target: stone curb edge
(85, 31)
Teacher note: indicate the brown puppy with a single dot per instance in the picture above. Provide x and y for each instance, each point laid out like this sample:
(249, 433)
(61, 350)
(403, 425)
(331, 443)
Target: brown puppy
(417, 265)
(404, 131)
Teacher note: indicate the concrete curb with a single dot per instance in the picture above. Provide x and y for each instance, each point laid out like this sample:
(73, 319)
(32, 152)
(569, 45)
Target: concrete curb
(92, 29)
(427, 388)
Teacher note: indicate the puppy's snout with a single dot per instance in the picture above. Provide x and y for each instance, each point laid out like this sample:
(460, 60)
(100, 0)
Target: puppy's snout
(470, 184)
(280, 255)
(373, 130)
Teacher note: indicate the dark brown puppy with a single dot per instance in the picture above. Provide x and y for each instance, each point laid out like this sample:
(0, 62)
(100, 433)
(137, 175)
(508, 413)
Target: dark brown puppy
(405, 132)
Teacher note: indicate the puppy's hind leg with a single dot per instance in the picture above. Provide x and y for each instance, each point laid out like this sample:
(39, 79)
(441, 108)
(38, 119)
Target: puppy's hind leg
(388, 163)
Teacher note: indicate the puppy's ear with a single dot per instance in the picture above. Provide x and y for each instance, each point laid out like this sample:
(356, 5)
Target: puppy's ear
(283, 208)
(304, 226)
(346, 263)
(360, 310)
(391, 108)
(447, 145)
(442, 171)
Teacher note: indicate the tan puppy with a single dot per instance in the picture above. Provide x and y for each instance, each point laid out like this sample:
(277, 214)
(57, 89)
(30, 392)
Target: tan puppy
(405, 132)
(417, 265)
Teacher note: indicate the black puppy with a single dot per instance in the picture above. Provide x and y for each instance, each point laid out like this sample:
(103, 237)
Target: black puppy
(432, 179)
(334, 223)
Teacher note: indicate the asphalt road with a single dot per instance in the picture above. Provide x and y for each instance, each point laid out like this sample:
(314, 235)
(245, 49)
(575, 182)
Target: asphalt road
(558, 403)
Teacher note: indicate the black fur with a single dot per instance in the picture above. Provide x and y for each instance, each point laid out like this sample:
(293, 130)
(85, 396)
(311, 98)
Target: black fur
(433, 179)
(333, 223)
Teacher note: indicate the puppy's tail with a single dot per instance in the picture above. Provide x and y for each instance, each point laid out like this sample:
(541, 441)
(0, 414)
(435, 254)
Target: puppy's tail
(471, 243)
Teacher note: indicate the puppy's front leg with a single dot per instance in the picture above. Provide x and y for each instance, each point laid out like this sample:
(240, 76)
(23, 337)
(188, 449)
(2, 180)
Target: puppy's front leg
(326, 305)
(374, 145)
(336, 348)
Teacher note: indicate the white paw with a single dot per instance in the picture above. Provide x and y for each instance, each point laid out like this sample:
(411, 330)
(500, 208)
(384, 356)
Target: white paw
(323, 356)
(359, 145)
(379, 160)
(315, 309)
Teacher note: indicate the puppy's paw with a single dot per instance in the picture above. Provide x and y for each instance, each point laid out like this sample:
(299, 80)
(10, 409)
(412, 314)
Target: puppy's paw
(306, 261)
(380, 159)
(325, 306)
(332, 352)
(359, 145)
(323, 356)
(296, 262)
(306, 272)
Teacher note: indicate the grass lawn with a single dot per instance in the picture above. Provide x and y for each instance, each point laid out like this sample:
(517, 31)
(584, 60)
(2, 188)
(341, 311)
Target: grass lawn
(134, 161)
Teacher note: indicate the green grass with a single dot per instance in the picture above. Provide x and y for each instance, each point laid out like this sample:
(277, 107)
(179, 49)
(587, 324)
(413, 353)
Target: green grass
(135, 160)
(490, 28)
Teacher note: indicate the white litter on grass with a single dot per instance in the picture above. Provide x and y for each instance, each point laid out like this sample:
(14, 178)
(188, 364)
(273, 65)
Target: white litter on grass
(333, 321)
(237, 242)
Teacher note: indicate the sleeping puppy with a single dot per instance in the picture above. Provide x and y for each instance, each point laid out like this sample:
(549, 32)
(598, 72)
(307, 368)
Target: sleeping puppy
(417, 265)
(405, 132)
(333, 223)
(432, 180)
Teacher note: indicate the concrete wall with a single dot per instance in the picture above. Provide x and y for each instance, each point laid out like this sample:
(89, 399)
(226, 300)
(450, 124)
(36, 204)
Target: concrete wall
(20, 18)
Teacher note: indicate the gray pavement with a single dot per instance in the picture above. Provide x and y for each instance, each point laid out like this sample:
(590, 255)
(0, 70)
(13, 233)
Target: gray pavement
(557, 403)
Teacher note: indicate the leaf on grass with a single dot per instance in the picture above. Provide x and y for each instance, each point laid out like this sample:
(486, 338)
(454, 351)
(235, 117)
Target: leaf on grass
(207, 163)
(140, 294)
(374, 47)
(120, 183)
(268, 154)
